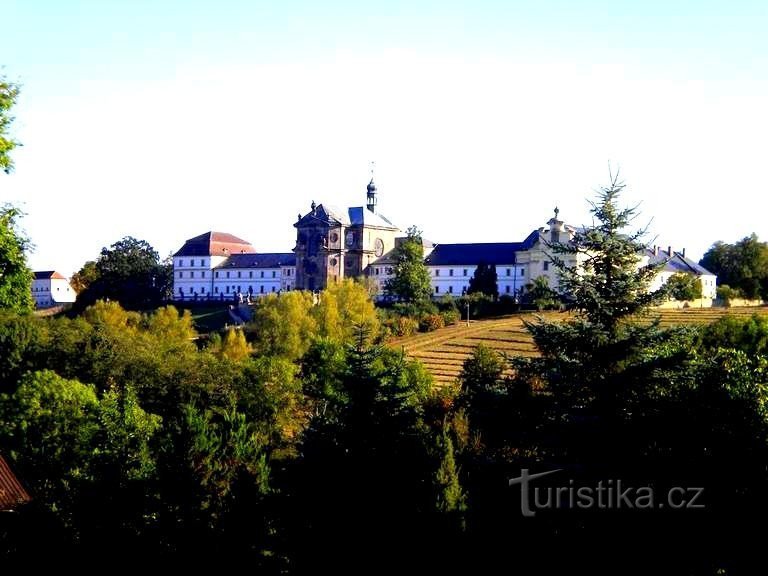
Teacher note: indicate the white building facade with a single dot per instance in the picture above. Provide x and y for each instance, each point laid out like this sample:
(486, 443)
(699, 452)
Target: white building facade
(50, 288)
(220, 266)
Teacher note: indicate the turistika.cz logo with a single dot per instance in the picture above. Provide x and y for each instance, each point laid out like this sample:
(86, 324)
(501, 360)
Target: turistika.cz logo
(606, 495)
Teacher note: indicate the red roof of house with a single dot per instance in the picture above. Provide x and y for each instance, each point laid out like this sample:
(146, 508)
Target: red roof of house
(215, 244)
(49, 274)
(12, 493)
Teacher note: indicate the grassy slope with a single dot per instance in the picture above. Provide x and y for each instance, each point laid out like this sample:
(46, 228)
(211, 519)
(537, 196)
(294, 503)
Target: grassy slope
(443, 352)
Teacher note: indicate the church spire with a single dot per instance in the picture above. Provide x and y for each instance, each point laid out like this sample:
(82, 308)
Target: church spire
(371, 196)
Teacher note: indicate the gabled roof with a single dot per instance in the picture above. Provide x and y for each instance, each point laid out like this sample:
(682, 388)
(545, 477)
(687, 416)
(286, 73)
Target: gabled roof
(676, 263)
(266, 260)
(360, 215)
(214, 244)
(49, 275)
(12, 493)
(496, 253)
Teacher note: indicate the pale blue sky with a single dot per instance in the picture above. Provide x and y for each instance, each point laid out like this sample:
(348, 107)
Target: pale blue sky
(165, 119)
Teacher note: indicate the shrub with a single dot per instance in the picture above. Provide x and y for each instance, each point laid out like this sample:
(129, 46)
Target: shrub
(450, 317)
(430, 322)
(405, 326)
(726, 294)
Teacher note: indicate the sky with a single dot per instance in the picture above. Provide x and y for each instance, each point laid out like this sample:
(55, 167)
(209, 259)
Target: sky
(164, 119)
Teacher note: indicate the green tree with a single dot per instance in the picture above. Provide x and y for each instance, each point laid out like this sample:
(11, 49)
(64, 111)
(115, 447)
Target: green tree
(283, 325)
(541, 295)
(9, 92)
(50, 423)
(485, 281)
(344, 307)
(410, 281)
(130, 272)
(84, 277)
(15, 276)
(743, 265)
(682, 286)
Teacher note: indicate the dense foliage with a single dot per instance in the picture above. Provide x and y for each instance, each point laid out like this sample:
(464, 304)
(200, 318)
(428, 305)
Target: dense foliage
(9, 92)
(15, 276)
(301, 444)
(410, 280)
(129, 272)
(743, 266)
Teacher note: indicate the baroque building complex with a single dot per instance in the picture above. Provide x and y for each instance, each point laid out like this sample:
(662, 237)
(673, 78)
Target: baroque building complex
(359, 242)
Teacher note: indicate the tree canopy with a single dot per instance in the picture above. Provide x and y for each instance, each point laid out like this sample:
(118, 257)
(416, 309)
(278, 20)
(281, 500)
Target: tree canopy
(15, 276)
(484, 281)
(9, 92)
(410, 281)
(743, 265)
(129, 272)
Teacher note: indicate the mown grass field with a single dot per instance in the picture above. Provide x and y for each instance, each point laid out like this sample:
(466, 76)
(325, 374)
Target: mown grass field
(444, 351)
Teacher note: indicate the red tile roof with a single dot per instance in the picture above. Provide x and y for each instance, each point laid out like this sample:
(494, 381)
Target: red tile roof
(12, 493)
(215, 244)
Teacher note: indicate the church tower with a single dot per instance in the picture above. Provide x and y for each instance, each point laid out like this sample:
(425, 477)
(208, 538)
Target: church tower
(371, 203)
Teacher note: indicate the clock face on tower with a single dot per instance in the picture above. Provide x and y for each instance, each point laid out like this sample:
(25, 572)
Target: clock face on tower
(350, 238)
(378, 247)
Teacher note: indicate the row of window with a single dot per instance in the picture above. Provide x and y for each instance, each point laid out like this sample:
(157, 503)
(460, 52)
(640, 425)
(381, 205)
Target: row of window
(239, 274)
(45, 289)
(192, 263)
(465, 271)
(191, 290)
(508, 290)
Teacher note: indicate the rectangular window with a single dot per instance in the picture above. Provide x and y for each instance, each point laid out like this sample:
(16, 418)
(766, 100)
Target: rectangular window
(509, 272)
(202, 274)
(437, 289)
(546, 266)
(506, 290)
(181, 274)
(250, 274)
(192, 274)
(376, 272)
(216, 289)
(190, 290)
(202, 262)
(450, 272)
(289, 271)
(202, 290)
(450, 289)
(192, 263)
(262, 273)
(522, 272)
(261, 289)
(465, 272)
(227, 273)
(181, 262)
(216, 274)
(437, 272)
(274, 273)
(273, 288)
(227, 289)
(239, 274)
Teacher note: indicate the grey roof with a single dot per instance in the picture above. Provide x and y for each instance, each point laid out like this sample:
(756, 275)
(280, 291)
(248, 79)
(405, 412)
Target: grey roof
(495, 253)
(354, 216)
(360, 215)
(676, 263)
(255, 260)
(327, 214)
